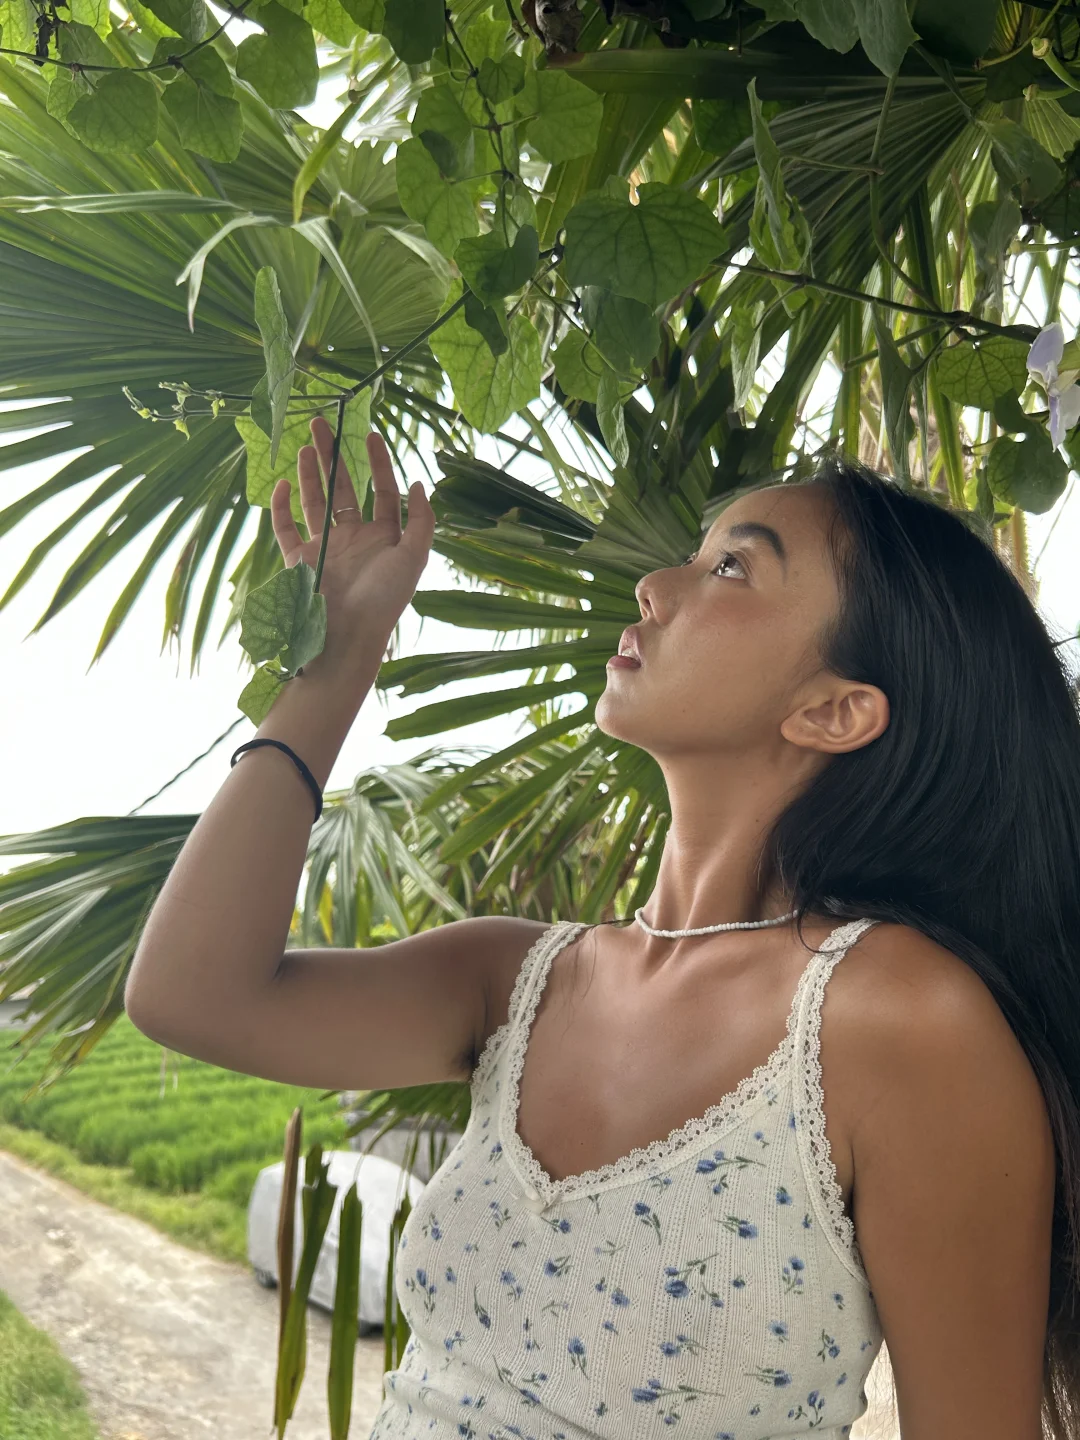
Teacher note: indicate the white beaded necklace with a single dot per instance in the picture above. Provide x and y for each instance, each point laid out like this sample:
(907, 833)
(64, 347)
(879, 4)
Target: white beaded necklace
(639, 916)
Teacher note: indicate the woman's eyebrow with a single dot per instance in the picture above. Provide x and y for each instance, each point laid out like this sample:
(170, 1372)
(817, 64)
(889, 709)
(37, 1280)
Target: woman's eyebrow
(754, 530)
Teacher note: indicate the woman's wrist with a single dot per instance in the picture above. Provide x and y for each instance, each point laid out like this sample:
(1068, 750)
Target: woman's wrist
(317, 707)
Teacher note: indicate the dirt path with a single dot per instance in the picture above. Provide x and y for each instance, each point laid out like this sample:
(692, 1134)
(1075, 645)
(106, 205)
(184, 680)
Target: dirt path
(170, 1344)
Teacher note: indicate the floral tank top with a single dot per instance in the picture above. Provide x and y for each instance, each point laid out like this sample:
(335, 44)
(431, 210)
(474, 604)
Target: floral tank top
(709, 1283)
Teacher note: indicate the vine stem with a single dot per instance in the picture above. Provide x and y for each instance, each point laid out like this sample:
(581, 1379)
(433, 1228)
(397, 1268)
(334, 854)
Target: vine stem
(78, 66)
(957, 319)
(161, 788)
(328, 521)
(351, 394)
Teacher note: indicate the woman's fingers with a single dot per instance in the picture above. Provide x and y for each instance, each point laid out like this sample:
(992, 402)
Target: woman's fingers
(420, 526)
(312, 494)
(387, 503)
(284, 526)
(322, 434)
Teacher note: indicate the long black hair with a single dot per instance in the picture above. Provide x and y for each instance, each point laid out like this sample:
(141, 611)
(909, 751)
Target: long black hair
(962, 819)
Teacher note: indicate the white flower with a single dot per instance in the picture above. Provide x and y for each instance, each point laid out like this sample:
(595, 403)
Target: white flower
(1062, 392)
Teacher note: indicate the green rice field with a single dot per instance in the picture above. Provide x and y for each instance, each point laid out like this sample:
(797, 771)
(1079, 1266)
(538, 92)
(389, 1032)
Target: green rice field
(180, 1150)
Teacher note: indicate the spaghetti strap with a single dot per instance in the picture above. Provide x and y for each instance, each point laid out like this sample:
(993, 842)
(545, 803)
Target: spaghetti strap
(546, 943)
(809, 1097)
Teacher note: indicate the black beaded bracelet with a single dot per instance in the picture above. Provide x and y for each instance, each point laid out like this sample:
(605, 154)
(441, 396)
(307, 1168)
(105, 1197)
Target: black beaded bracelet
(313, 784)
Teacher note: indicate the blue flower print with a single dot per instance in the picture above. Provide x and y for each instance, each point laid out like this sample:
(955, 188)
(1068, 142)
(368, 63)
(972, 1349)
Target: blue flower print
(421, 1283)
(610, 1326)
(709, 1166)
(577, 1354)
(431, 1227)
(495, 1151)
(458, 1193)
(838, 1300)
(562, 1226)
(793, 1279)
(759, 1136)
(451, 1340)
(618, 1298)
(529, 1396)
(769, 1375)
(450, 1276)
(557, 1265)
(676, 1286)
(500, 1215)
(737, 1282)
(680, 1345)
(783, 1197)
(743, 1228)
(601, 1409)
(779, 1329)
(512, 1285)
(644, 1395)
(829, 1347)
(530, 1343)
(655, 1391)
(481, 1314)
(647, 1217)
(608, 1248)
(815, 1402)
(807, 1223)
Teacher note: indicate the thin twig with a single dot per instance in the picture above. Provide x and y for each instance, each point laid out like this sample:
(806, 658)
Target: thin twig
(77, 66)
(239, 719)
(957, 319)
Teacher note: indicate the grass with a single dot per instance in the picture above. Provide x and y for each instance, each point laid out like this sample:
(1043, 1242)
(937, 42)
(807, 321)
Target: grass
(178, 1147)
(41, 1397)
(216, 1227)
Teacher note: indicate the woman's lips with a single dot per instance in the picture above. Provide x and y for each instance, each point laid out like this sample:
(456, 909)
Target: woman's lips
(623, 662)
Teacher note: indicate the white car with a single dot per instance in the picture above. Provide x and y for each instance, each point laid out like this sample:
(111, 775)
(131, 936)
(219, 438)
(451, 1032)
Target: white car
(380, 1185)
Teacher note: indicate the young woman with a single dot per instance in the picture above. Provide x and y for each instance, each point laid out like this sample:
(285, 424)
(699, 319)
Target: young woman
(697, 1189)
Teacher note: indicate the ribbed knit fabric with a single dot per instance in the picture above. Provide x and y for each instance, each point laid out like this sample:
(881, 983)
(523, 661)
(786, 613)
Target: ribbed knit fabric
(708, 1286)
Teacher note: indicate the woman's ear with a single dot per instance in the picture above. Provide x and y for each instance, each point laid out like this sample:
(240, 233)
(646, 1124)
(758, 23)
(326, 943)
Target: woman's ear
(847, 718)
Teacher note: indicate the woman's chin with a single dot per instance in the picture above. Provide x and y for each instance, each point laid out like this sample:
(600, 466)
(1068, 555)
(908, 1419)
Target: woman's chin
(613, 718)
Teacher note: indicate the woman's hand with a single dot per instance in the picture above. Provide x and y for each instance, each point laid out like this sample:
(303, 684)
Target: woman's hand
(371, 567)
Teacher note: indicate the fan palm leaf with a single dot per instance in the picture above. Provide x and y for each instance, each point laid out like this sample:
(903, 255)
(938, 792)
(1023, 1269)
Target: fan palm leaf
(90, 252)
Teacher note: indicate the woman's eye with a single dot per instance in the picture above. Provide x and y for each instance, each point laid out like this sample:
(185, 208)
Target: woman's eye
(724, 559)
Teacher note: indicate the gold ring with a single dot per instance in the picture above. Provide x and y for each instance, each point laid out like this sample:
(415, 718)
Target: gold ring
(344, 508)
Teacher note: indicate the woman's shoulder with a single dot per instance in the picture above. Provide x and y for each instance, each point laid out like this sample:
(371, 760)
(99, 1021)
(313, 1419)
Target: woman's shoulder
(904, 1006)
(511, 940)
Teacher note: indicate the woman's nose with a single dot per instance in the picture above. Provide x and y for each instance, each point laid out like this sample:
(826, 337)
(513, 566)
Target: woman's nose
(645, 592)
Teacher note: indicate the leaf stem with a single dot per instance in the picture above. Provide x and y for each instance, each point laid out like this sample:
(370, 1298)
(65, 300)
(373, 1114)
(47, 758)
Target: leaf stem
(78, 66)
(343, 400)
(955, 319)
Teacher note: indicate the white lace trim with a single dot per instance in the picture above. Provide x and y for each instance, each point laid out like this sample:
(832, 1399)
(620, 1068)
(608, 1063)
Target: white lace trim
(811, 1099)
(749, 1089)
(533, 956)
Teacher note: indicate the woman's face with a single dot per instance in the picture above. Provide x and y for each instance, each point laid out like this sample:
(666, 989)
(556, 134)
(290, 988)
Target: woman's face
(728, 641)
